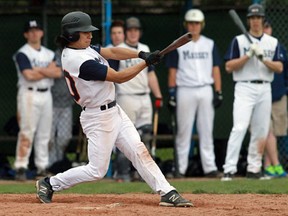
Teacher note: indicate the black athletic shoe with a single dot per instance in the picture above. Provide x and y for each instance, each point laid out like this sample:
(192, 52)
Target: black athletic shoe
(213, 174)
(174, 199)
(44, 190)
(21, 174)
(227, 177)
(259, 175)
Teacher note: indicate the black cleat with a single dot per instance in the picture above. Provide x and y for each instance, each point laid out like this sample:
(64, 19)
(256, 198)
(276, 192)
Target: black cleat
(174, 199)
(44, 191)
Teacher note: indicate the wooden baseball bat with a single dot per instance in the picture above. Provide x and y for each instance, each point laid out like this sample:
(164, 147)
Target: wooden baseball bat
(239, 24)
(155, 132)
(177, 43)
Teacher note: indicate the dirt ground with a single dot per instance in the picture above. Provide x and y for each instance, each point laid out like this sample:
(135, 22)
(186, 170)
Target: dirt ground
(143, 204)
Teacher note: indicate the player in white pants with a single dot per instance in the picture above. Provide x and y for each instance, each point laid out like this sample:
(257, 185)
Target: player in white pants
(91, 82)
(36, 67)
(252, 66)
(193, 69)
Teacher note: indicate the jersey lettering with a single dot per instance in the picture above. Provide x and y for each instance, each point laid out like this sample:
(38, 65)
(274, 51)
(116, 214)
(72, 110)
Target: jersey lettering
(195, 55)
(72, 86)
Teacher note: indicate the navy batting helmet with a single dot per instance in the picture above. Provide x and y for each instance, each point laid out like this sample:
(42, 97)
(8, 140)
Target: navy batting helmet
(75, 22)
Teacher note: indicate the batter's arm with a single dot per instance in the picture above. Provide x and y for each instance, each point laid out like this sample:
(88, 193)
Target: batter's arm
(51, 71)
(217, 78)
(236, 64)
(125, 74)
(154, 84)
(118, 53)
(276, 66)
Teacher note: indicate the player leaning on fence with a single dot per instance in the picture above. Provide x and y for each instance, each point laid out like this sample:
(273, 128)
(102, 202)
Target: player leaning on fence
(252, 66)
(105, 124)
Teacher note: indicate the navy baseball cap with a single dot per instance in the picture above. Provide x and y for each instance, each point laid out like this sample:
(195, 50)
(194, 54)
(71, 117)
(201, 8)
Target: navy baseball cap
(32, 24)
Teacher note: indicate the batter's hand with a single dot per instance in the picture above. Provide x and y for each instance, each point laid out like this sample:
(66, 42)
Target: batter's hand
(150, 58)
(218, 99)
(158, 103)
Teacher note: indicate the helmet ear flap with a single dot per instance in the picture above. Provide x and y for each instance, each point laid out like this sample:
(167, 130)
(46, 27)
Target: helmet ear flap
(71, 37)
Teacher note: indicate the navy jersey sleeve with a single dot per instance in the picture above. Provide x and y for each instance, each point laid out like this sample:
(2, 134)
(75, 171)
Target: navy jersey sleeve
(284, 57)
(96, 47)
(114, 64)
(278, 55)
(216, 57)
(172, 59)
(23, 61)
(92, 70)
(233, 51)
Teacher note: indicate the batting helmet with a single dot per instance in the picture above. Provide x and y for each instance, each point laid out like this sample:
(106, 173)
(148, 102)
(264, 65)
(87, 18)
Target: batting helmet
(195, 15)
(75, 22)
(255, 10)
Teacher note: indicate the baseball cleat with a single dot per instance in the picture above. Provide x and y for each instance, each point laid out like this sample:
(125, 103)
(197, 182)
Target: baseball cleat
(227, 177)
(174, 199)
(44, 190)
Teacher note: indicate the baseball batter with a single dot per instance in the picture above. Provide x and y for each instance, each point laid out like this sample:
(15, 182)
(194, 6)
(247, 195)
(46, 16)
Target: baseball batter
(105, 124)
(252, 66)
(193, 69)
(35, 67)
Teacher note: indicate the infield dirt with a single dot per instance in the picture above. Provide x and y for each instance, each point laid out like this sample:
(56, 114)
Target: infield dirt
(143, 205)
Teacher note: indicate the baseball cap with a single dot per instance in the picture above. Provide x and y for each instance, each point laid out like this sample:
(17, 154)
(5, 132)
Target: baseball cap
(267, 23)
(133, 22)
(255, 10)
(32, 24)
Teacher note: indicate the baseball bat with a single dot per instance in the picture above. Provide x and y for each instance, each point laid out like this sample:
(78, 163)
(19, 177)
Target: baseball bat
(155, 132)
(239, 24)
(177, 43)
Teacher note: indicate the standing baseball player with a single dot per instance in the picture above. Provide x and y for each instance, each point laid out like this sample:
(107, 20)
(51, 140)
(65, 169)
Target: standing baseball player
(134, 96)
(252, 66)
(36, 67)
(91, 82)
(193, 69)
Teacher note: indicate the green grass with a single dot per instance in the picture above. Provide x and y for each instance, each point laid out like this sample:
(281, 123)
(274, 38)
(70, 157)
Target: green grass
(195, 186)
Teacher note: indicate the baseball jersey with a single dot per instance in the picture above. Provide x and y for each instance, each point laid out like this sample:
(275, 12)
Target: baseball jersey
(194, 62)
(27, 58)
(254, 69)
(138, 84)
(85, 70)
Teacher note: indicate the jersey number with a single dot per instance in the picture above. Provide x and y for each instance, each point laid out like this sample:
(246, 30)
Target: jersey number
(72, 87)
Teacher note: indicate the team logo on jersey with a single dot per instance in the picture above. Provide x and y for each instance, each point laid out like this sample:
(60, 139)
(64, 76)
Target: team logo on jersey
(99, 60)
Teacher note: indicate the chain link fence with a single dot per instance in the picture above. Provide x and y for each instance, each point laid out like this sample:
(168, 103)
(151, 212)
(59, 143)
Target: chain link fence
(160, 27)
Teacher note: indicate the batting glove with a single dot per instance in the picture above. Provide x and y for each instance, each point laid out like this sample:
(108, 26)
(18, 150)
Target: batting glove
(150, 58)
(251, 50)
(217, 99)
(172, 99)
(259, 52)
(158, 103)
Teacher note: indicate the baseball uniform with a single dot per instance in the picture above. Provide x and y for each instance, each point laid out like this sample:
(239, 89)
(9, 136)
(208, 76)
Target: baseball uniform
(252, 101)
(104, 123)
(34, 107)
(194, 62)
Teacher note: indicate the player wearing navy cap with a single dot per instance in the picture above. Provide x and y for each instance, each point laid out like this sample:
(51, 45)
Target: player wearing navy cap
(252, 66)
(91, 82)
(35, 68)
